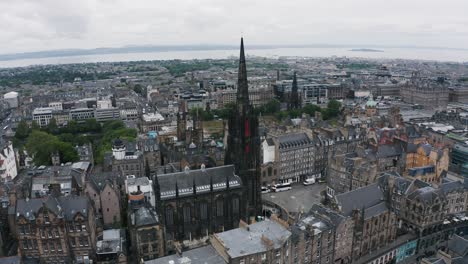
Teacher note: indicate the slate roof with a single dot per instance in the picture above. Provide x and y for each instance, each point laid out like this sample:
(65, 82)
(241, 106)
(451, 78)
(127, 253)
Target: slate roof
(426, 195)
(362, 198)
(201, 178)
(144, 216)
(375, 210)
(64, 206)
(243, 242)
(291, 140)
(452, 186)
(458, 245)
(201, 255)
(389, 150)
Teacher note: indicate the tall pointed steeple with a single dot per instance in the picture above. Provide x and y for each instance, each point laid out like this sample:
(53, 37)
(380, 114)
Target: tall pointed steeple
(243, 144)
(294, 98)
(242, 85)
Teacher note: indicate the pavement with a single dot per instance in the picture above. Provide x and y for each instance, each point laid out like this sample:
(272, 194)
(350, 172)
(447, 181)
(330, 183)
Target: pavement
(299, 199)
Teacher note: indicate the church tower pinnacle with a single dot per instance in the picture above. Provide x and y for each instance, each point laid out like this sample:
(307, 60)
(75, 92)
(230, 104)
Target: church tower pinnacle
(294, 102)
(243, 144)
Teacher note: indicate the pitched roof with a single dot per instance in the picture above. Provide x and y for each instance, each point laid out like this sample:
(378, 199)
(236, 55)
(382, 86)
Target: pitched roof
(63, 206)
(358, 199)
(291, 140)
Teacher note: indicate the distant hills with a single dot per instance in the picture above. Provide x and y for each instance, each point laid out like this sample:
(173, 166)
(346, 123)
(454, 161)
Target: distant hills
(167, 48)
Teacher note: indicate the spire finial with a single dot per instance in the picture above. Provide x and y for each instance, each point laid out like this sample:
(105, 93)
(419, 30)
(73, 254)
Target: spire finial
(242, 85)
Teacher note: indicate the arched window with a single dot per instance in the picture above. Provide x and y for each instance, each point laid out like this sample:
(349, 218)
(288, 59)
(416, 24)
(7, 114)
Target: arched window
(187, 213)
(169, 215)
(203, 211)
(235, 205)
(220, 207)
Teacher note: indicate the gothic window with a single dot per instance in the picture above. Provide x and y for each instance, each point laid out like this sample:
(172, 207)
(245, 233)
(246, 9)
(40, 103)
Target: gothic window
(46, 216)
(169, 216)
(220, 207)
(235, 205)
(187, 216)
(204, 211)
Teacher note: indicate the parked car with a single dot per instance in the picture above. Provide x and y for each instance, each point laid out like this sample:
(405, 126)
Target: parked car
(309, 181)
(265, 189)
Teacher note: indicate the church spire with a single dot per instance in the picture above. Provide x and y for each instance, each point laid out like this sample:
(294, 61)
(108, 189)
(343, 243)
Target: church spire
(294, 99)
(242, 85)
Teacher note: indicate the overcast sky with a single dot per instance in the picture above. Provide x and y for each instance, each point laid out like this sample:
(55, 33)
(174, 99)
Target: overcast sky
(33, 25)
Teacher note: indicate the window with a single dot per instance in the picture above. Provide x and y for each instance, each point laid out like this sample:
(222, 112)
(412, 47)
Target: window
(46, 216)
(220, 207)
(187, 216)
(235, 206)
(204, 211)
(169, 216)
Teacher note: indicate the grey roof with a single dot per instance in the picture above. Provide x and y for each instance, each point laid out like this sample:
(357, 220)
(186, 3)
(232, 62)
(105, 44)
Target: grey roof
(458, 245)
(63, 206)
(358, 199)
(452, 186)
(291, 140)
(389, 150)
(334, 217)
(138, 181)
(201, 178)
(247, 241)
(201, 255)
(144, 216)
(375, 210)
(427, 195)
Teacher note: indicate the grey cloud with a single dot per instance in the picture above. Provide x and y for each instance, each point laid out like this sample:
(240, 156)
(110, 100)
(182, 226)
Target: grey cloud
(29, 25)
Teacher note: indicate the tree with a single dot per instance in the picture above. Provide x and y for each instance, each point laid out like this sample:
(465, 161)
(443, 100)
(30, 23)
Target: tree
(41, 145)
(52, 126)
(272, 106)
(22, 131)
(332, 110)
(311, 109)
(138, 88)
(35, 126)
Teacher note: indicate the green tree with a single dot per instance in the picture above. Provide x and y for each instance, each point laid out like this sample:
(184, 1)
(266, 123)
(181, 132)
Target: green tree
(332, 110)
(311, 109)
(138, 88)
(52, 126)
(22, 131)
(41, 145)
(272, 106)
(35, 126)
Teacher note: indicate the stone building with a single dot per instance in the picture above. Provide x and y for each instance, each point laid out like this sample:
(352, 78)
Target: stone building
(151, 153)
(426, 162)
(347, 172)
(55, 230)
(375, 224)
(427, 93)
(196, 203)
(313, 239)
(126, 159)
(102, 190)
(296, 156)
(267, 241)
(146, 232)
